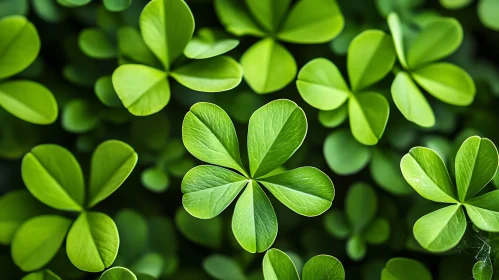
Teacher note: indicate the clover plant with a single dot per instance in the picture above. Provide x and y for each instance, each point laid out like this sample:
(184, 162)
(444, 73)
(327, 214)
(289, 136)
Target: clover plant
(359, 223)
(445, 81)
(475, 165)
(321, 85)
(167, 27)
(19, 47)
(268, 65)
(277, 265)
(275, 132)
(54, 177)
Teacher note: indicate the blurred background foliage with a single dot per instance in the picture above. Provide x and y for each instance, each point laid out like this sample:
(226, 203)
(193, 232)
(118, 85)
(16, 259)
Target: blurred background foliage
(80, 48)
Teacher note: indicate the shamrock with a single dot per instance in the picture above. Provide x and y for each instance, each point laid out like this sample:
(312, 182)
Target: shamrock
(475, 165)
(360, 224)
(19, 47)
(370, 58)
(278, 265)
(275, 132)
(445, 81)
(167, 27)
(269, 66)
(54, 177)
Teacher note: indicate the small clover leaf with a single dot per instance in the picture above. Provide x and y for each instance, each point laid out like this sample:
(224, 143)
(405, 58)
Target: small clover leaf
(321, 84)
(446, 82)
(278, 265)
(306, 22)
(405, 269)
(275, 132)
(53, 176)
(27, 100)
(476, 165)
(359, 223)
(167, 27)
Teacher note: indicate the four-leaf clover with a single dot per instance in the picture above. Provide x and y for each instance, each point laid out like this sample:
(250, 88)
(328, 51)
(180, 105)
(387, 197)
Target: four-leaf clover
(53, 176)
(475, 165)
(275, 132)
(269, 66)
(167, 27)
(370, 57)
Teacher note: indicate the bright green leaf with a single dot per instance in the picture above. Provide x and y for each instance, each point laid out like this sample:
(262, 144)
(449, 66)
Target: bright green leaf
(268, 66)
(142, 89)
(210, 75)
(484, 211)
(53, 176)
(476, 164)
(370, 57)
(268, 13)
(155, 179)
(333, 118)
(254, 222)
(236, 18)
(441, 230)
(19, 45)
(398, 37)
(425, 171)
(482, 270)
(437, 40)
(38, 240)
(368, 113)
(112, 162)
(446, 82)
(275, 132)
(305, 190)
(132, 46)
(105, 92)
(209, 43)
(385, 171)
(29, 101)
(323, 267)
(405, 269)
(312, 22)
(411, 101)
(167, 26)
(209, 135)
(277, 265)
(208, 190)
(92, 242)
(487, 13)
(118, 273)
(78, 117)
(321, 85)
(42, 275)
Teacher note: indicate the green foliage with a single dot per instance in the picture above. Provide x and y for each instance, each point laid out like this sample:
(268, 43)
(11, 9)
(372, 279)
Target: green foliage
(165, 79)
(359, 223)
(476, 165)
(306, 22)
(278, 265)
(275, 132)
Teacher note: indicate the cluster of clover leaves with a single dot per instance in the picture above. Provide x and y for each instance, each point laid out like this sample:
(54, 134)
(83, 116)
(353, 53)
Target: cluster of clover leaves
(54, 177)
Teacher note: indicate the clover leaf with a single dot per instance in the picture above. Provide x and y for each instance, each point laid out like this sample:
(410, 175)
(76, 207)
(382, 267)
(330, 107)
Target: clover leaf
(446, 82)
(275, 132)
(167, 27)
(306, 22)
(321, 85)
(359, 223)
(406, 269)
(118, 273)
(43, 274)
(278, 265)
(111, 5)
(53, 176)
(27, 100)
(475, 166)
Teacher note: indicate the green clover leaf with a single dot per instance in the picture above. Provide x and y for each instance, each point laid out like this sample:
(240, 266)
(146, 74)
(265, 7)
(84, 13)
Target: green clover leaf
(275, 132)
(476, 165)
